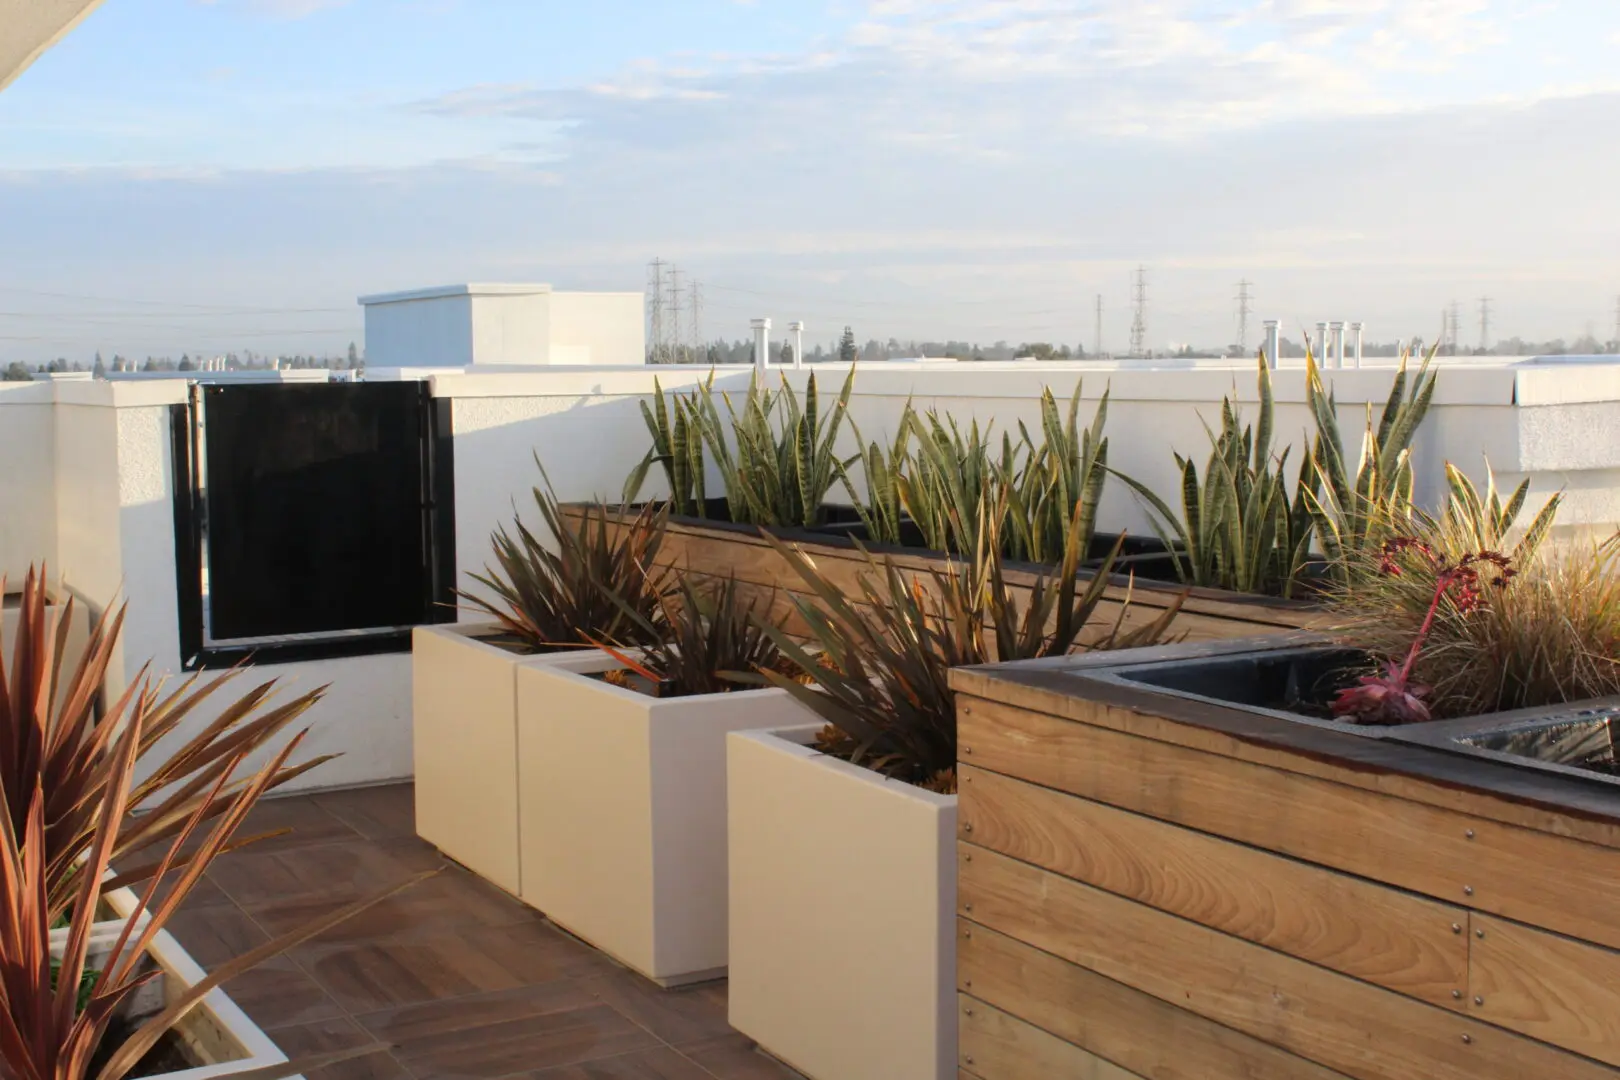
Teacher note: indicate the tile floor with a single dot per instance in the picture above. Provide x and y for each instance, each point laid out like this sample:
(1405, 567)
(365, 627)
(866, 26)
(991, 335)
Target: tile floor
(451, 978)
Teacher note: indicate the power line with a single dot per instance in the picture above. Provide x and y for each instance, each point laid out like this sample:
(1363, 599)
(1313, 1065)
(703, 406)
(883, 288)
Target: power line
(675, 300)
(1243, 299)
(1139, 323)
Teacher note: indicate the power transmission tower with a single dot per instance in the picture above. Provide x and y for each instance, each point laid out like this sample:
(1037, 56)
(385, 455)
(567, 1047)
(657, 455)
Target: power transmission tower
(1617, 323)
(655, 299)
(699, 352)
(1453, 320)
(1484, 323)
(1243, 299)
(1097, 344)
(1139, 323)
(675, 299)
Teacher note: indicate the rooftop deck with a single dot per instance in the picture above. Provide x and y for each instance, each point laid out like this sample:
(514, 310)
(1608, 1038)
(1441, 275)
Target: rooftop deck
(453, 977)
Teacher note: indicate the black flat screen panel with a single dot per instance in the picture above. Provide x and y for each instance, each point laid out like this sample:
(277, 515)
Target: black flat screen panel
(315, 508)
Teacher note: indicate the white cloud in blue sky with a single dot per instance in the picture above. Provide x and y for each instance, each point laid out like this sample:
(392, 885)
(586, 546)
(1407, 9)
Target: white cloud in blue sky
(965, 167)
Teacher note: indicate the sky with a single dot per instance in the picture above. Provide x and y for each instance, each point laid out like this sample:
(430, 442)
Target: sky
(204, 175)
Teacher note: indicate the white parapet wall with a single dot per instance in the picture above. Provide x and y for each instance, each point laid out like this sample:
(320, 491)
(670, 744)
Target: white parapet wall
(91, 488)
(462, 326)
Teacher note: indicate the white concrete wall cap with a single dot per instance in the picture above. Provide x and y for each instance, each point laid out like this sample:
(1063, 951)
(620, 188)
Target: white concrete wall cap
(439, 292)
(137, 394)
(1546, 382)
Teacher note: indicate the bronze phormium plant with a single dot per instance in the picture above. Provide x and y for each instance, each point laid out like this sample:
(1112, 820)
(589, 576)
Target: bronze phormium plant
(54, 737)
(605, 566)
(880, 660)
(703, 636)
(57, 1010)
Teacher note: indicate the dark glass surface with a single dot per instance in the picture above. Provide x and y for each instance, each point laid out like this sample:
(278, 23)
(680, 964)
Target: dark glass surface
(316, 517)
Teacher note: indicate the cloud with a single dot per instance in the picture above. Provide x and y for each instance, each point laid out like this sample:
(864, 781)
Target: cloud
(279, 9)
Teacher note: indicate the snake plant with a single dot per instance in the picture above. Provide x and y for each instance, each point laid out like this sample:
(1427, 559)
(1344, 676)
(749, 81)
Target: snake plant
(882, 510)
(1485, 520)
(777, 474)
(677, 445)
(1061, 482)
(1238, 528)
(1353, 519)
(949, 475)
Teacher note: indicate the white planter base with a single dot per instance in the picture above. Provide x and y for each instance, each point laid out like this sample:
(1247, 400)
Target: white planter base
(623, 801)
(464, 730)
(870, 996)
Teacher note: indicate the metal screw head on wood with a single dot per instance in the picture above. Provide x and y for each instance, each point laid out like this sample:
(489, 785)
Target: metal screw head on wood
(1457, 994)
(1470, 834)
(1468, 1038)
(1468, 890)
(967, 907)
(1479, 934)
(1456, 928)
(1479, 1000)
(968, 827)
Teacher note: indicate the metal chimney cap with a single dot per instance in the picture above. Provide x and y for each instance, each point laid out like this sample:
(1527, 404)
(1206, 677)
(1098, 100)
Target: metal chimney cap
(796, 326)
(759, 324)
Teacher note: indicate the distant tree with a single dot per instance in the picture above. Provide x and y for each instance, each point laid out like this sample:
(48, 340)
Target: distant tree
(16, 373)
(149, 365)
(185, 363)
(848, 352)
(785, 354)
(57, 365)
(99, 370)
(354, 356)
(1040, 350)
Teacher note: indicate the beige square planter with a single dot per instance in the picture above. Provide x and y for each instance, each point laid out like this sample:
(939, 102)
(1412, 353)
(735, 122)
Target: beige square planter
(623, 801)
(464, 730)
(843, 903)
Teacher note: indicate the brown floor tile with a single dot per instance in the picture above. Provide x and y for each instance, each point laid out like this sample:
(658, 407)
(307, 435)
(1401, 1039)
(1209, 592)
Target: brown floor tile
(658, 1064)
(204, 893)
(735, 1057)
(376, 813)
(675, 1016)
(278, 992)
(333, 873)
(303, 1041)
(496, 1035)
(452, 900)
(215, 933)
(296, 820)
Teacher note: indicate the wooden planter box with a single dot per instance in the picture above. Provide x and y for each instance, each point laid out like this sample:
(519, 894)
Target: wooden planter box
(721, 549)
(1154, 886)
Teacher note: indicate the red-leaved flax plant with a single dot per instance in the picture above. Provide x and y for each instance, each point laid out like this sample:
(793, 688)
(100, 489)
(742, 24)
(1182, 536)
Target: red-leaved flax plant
(1391, 696)
(54, 732)
(67, 796)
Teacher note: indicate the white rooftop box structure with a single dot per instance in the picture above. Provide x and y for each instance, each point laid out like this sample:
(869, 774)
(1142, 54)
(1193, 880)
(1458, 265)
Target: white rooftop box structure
(456, 326)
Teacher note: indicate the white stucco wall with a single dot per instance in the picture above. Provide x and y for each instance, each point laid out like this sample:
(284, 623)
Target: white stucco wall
(598, 328)
(106, 520)
(28, 480)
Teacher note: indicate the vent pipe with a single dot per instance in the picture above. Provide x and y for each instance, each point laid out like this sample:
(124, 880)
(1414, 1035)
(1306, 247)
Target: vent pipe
(762, 344)
(1273, 344)
(1355, 336)
(798, 343)
(1337, 344)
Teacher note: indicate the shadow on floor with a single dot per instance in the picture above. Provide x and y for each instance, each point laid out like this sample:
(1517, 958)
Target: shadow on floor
(454, 977)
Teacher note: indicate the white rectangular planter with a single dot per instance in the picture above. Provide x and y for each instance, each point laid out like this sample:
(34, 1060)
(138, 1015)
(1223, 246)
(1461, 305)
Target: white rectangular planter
(843, 904)
(623, 800)
(216, 1032)
(464, 732)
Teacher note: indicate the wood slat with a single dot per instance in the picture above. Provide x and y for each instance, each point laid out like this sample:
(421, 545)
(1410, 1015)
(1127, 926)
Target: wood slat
(1136, 1030)
(1359, 1029)
(999, 1046)
(1062, 697)
(1532, 877)
(1395, 939)
(1553, 988)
